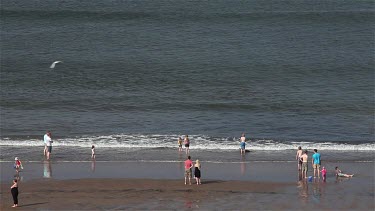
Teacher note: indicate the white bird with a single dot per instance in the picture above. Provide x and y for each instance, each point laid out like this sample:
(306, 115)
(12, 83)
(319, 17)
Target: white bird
(54, 63)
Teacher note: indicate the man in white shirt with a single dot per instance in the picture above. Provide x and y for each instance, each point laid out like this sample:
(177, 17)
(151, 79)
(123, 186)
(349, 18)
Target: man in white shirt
(47, 144)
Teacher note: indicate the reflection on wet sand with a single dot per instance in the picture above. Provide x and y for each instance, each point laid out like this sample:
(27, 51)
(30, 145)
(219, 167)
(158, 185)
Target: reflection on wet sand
(318, 186)
(316, 190)
(17, 176)
(243, 165)
(341, 179)
(47, 169)
(181, 163)
(93, 165)
(303, 189)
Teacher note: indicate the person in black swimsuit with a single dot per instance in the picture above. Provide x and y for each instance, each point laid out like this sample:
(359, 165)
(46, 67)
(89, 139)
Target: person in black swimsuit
(14, 191)
(197, 172)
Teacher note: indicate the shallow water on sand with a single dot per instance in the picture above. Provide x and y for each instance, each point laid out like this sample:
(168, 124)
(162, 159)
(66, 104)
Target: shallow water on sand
(71, 153)
(356, 193)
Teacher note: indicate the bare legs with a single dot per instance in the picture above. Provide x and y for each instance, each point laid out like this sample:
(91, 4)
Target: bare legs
(316, 172)
(198, 180)
(186, 180)
(45, 150)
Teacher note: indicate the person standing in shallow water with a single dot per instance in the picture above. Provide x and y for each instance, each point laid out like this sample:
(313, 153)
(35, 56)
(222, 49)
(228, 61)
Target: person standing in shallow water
(298, 158)
(46, 138)
(179, 142)
(243, 143)
(187, 144)
(92, 152)
(49, 146)
(324, 173)
(316, 163)
(304, 158)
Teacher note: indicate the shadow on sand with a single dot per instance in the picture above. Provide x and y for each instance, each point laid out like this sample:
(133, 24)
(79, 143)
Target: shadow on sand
(28, 205)
(212, 181)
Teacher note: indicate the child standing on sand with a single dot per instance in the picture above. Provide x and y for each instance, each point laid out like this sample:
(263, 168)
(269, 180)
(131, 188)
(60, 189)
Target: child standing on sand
(14, 191)
(93, 152)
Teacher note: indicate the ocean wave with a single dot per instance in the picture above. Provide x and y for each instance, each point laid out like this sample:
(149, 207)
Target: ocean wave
(200, 142)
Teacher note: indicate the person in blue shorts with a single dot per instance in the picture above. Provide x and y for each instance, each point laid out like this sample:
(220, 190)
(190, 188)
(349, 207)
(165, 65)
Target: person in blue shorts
(243, 143)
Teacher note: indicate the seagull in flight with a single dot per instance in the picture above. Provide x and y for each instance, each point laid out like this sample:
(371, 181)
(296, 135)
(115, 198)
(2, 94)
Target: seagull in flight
(54, 64)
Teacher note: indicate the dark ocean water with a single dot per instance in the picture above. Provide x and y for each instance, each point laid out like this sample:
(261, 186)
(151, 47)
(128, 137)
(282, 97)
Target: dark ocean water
(140, 73)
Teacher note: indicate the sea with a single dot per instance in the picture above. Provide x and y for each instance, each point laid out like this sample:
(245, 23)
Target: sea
(137, 74)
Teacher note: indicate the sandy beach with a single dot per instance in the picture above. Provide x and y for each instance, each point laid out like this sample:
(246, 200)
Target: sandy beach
(160, 186)
(138, 194)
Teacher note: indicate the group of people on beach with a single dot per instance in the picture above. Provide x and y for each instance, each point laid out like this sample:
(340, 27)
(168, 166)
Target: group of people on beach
(47, 151)
(14, 188)
(188, 171)
(302, 165)
(301, 157)
(188, 163)
(197, 166)
(186, 142)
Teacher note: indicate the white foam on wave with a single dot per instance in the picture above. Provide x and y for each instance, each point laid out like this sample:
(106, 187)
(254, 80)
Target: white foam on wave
(201, 142)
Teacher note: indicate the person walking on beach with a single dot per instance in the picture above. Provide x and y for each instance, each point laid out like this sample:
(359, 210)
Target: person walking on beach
(188, 166)
(340, 174)
(187, 144)
(197, 172)
(17, 164)
(298, 158)
(316, 163)
(47, 138)
(14, 192)
(242, 143)
(304, 159)
(179, 142)
(92, 152)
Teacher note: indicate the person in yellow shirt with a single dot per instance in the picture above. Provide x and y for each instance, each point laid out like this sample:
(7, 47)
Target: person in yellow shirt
(179, 142)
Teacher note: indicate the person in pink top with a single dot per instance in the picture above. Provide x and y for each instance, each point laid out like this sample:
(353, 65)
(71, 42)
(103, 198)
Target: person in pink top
(188, 166)
(324, 173)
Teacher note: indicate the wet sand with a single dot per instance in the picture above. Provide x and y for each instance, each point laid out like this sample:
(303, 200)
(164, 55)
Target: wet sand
(146, 194)
(160, 186)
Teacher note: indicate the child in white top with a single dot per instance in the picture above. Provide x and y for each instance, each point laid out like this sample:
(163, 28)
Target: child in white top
(93, 152)
(17, 164)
